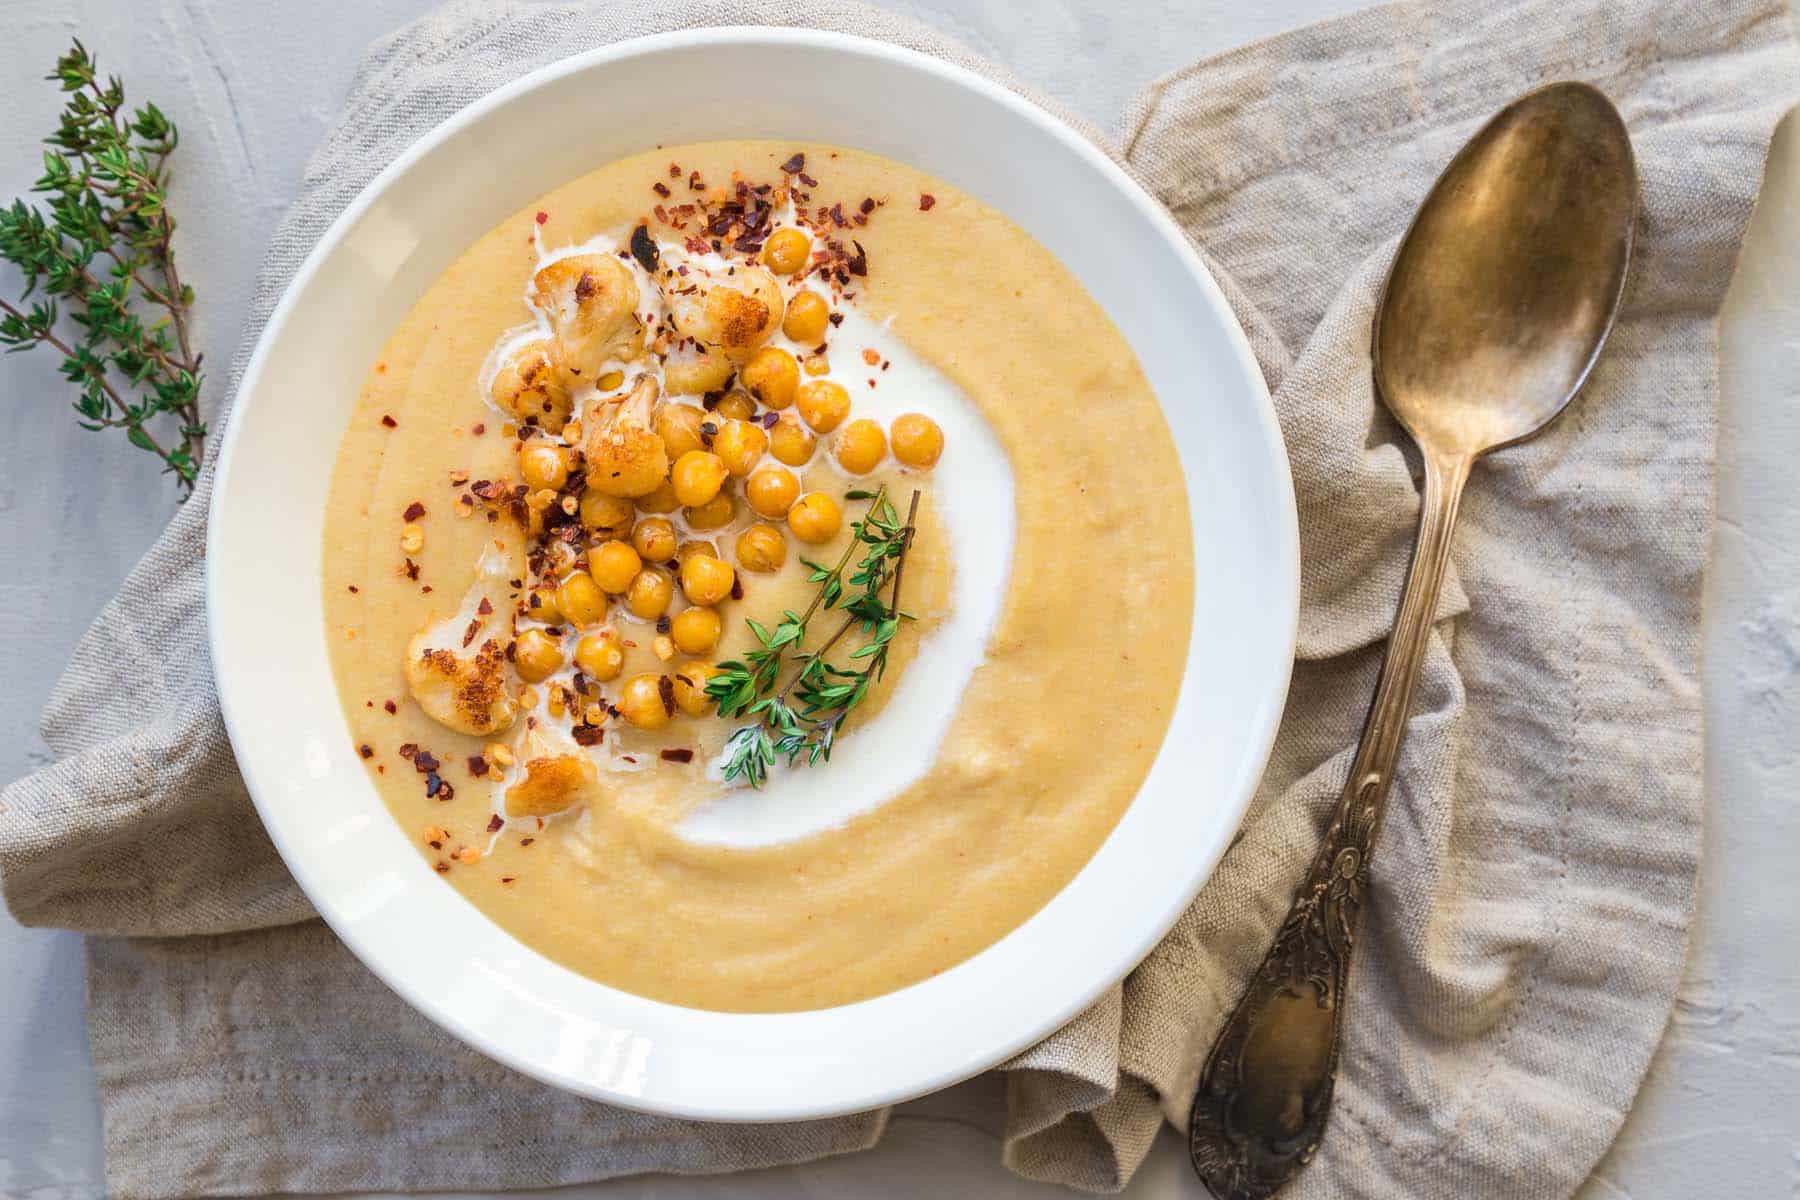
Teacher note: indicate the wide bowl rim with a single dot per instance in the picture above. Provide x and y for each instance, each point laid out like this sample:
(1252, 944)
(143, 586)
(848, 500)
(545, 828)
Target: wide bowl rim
(1130, 950)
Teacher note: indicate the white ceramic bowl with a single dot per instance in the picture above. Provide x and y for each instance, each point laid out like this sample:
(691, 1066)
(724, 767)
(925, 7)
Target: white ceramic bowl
(295, 749)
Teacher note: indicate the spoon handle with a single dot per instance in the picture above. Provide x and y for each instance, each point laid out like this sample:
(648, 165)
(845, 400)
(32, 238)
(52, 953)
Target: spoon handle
(1265, 1094)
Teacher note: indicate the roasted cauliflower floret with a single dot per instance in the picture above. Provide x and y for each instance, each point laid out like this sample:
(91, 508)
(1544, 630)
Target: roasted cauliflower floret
(530, 385)
(591, 300)
(734, 313)
(625, 456)
(456, 668)
(555, 778)
(690, 370)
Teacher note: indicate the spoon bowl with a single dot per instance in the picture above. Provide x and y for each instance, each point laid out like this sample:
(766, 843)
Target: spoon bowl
(1505, 287)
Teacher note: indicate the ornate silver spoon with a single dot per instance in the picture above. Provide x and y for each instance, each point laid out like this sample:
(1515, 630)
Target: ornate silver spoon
(1498, 303)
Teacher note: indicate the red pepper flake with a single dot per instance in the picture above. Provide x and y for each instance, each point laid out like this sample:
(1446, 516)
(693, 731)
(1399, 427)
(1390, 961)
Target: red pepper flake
(478, 766)
(836, 318)
(508, 878)
(678, 754)
(413, 512)
(354, 589)
(660, 188)
(674, 170)
(866, 207)
(473, 629)
(496, 823)
(441, 867)
(808, 180)
(870, 355)
(425, 589)
(663, 624)
(487, 606)
(695, 183)
(479, 428)
(389, 421)
(366, 750)
(859, 262)
(794, 165)
(389, 705)
(425, 761)
(588, 735)
(408, 749)
(411, 570)
(665, 688)
(526, 841)
(542, 217)
(434, 785)
(926, 200)
(737, 588)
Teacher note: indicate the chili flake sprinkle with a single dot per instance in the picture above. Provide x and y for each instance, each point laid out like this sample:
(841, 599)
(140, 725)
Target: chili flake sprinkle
(389, 421)
(413, 512)
(496, 823)
(926, 200)
(366, 750)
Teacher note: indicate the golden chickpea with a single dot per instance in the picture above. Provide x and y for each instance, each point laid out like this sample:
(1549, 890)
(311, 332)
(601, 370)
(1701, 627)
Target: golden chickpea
(662, 500)
(541, 606)
(861, 447)
(815, 518)
(649, 594)
(824, 404)
(714, 514)
(692, 547)
(654, 540)
(697, 477)
(543, 465)
(690, 688)
(771, 491)
(771, 375)
(816, 364)
(536, 655)
(807, 314)
(641, 701)
(786, 250)
(736, 406)
(614, 565)
(696, 630)
(739, 445)
(679, 427)
(706, 580)
(761, 547)
(581, 599)
(608, 516)
(791, 442)
(917, 440)
(600, 655)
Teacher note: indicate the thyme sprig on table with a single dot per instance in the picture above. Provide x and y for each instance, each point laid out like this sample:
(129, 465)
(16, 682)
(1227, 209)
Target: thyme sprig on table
(801, 721)
(100, 254)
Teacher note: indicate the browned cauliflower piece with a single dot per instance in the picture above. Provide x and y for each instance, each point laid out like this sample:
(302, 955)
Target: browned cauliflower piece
(555, 778)
(530, 385)
(625, 456)
(456, 668)
(732, 313)
(591, 300)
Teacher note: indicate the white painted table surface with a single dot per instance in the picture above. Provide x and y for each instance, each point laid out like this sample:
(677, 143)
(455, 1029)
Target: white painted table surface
(252, 86)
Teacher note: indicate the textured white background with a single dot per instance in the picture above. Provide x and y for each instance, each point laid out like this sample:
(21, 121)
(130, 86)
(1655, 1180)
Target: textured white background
(253, 85)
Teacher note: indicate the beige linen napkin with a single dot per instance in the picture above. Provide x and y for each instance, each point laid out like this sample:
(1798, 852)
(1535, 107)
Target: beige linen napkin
(1537, 874)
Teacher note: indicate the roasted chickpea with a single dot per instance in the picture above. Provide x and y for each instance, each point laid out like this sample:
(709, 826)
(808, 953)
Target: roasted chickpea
(679, 427)
(824, 404)
(714, 513)
(706, 579)
(692, 547)
(543, 465)
(662, 500)
(860, 447)
(541, 606)
(600, 655)
(786, 250)
(762, 547)
(772, 375)
(641, 701)
(649, 594)
(739, 445)
(807, 314)
(608, 516)
(581, 599)
(696, 630)
(736, 406)
(917, 440)
(692, 372)
(614, 565)
(536, 655)
(697, 477)
(771, 491)
(654, 539)
(791, 442)
(690, 688)
(815, 518)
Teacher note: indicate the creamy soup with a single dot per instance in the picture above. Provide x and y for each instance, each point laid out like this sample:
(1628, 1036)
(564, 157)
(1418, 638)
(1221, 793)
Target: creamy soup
(675, 412)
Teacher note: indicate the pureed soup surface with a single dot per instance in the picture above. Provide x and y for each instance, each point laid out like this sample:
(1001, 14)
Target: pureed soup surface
(559, 785)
